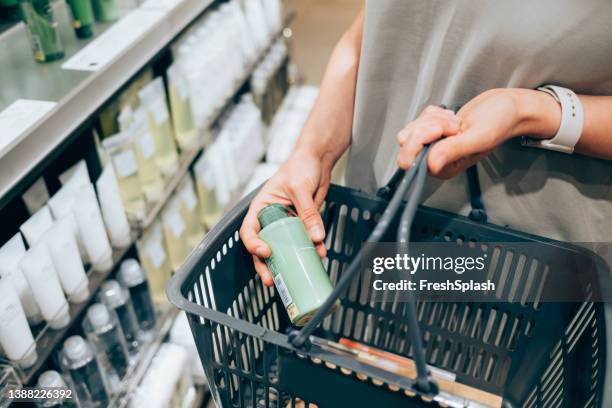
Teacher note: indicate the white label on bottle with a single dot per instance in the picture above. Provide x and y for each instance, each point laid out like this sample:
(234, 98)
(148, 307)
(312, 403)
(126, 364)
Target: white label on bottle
(18, 117)
(147, 145)
(36, 196)
(175, 222)
(156, 252)
(159, 111)
(282, 290)
(125, 163)
(189, 198)
(114, 42)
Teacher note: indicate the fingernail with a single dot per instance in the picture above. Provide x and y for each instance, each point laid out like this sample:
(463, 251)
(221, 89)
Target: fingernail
(316, 233)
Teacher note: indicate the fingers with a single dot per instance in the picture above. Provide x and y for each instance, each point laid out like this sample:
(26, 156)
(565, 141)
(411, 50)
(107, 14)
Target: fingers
(249, 234)
(454, 154)
(433, 124)
(307, 210)
(262, 270)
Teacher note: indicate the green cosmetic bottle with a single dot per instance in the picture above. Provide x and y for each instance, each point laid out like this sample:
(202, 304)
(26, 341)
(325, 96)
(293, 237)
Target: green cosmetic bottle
(82, 17)
(299, 275)
(9, 10)
(105, 10)
(43, 30)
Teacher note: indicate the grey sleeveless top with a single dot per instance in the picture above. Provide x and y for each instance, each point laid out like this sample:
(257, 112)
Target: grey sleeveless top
(422, 52)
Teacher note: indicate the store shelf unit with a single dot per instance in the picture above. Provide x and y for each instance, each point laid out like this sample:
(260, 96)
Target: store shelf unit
(48, 340)
(77, 94)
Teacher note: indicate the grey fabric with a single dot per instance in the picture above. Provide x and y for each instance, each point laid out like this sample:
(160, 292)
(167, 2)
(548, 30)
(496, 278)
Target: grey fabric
(421, 52)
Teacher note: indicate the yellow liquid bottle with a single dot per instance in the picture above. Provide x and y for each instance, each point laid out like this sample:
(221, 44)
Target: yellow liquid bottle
(185, 129)
(121, 152)
(156, 262)
(153, 98)
(175, 234)
(210, 210)
(150, 175)
(189, 212)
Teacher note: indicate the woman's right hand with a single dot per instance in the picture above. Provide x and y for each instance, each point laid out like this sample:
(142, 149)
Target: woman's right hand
(302, 181)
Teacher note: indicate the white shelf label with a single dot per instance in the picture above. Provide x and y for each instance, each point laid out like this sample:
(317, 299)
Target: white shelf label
(114, 41)
(125, 163)
(20, 116)
(161, 4)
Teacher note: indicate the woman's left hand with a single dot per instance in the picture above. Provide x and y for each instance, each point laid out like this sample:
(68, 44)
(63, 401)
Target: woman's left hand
(480, 126)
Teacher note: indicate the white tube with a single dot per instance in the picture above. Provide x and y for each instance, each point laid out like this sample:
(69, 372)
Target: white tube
(10, 255)
(61, 207)
(65, 256)
(76, 175)
(113, 212)
(15, 334)
(91, 227)
(38, 269)
(36, 226)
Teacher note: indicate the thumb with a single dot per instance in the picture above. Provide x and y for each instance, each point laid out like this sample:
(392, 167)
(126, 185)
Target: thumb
(308, 212)
(453, 149)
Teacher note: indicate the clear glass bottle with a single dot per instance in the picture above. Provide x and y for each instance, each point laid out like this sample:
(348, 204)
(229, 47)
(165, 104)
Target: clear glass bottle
(210, 209)
(153, 99)
(123, 157)
(43, 30)
(150, 177)
(175, 234)
(185, 130)
(189, 212)
(156, 262)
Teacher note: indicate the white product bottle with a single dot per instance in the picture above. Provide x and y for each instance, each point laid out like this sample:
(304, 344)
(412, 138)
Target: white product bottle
(15, 334)
(38, 269)
(114, 215)
(35, 227)
(67, 261)
(10, 256)
(149, 173)
(91, 227)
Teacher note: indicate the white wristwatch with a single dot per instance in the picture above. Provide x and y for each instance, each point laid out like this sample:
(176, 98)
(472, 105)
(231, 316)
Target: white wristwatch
(572, 122)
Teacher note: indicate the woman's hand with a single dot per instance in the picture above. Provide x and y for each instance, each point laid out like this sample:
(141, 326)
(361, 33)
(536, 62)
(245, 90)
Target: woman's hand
(479, 127)
(302, 181)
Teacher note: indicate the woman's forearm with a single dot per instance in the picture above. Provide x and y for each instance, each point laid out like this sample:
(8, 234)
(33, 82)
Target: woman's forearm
(542, 115)
(327, 132)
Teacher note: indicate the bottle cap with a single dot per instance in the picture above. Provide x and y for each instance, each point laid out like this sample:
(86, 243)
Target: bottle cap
(112, 294)
(130, 273)
(98, 316)
(77, 351)
(271, 213)
(51, 379)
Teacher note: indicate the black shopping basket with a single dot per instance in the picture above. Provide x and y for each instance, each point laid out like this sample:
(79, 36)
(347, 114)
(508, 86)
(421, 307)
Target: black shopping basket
(532, 355)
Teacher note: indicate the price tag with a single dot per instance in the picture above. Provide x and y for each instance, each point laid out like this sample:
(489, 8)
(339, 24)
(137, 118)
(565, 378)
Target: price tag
(125, 163)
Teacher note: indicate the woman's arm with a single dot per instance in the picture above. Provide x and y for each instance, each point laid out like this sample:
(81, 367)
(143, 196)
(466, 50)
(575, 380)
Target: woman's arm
(327, 131)
(303, 180)
(494, 117)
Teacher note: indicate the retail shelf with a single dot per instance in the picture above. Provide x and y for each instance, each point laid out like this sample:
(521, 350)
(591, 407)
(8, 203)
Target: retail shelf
(188, 158)
(137, 372)
(77, 94)
(48, 339)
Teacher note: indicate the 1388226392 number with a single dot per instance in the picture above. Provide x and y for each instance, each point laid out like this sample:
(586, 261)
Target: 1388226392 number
(37, 394)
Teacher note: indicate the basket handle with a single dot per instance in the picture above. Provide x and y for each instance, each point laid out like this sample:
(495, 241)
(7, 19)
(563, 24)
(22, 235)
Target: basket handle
(299, 338)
